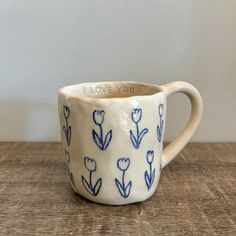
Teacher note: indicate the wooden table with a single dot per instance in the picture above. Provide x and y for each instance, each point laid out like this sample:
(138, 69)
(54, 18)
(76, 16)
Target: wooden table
(196, 196)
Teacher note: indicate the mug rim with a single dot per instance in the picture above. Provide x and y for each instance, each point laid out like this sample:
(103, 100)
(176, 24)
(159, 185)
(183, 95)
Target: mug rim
(66, 90)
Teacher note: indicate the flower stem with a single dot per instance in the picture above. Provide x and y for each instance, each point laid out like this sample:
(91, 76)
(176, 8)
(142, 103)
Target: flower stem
(123, 179)
(137, 129)
(150, 164)
(101, 135)
(90, 179)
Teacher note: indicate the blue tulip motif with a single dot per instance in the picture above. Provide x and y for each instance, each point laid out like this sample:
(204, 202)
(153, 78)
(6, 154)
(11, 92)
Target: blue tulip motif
(91, 166)
(136, 115)
(138, 136)
(161, 124)
(149, 175)
(101, 141)
(123, 165)
(67, 127)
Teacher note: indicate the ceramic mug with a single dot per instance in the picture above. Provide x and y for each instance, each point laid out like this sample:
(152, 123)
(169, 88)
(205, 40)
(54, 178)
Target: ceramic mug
(112, 135)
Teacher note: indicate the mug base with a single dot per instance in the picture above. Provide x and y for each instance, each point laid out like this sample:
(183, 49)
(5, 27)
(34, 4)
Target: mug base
(110, 202)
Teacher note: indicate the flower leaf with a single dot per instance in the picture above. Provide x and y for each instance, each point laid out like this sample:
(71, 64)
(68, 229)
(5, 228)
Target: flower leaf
(160, 130)
(134, 140)
(96, 139)
(147, 179)
(86, 185)
(67, 131)
(120, 188)
(153, 175)
(97, 186)
(128, 188)
(107, 139)
(144, 131)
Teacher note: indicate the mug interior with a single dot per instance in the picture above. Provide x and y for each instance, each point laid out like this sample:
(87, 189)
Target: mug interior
(116, 89)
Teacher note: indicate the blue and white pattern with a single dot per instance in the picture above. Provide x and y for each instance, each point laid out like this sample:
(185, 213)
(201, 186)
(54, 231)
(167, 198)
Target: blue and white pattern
(124, 189)
(101, 141)
(67, 127)
(149, 175)
(137, 136)
(161, 124)
(90, 187)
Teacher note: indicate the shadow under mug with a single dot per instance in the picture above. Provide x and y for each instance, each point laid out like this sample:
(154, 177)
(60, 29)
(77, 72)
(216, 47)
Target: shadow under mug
(112, 136)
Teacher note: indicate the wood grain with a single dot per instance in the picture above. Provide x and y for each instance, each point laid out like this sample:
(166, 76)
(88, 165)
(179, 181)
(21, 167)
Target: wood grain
(196, 196)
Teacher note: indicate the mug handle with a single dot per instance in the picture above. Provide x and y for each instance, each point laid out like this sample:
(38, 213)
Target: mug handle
(182, 139)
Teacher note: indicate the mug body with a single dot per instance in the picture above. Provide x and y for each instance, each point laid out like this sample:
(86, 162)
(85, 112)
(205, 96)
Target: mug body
(112, 135)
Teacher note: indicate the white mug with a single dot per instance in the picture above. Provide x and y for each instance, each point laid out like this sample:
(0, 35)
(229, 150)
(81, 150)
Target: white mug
(112, 135)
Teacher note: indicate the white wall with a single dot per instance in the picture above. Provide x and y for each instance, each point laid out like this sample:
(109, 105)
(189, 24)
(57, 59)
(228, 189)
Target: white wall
(46, 44)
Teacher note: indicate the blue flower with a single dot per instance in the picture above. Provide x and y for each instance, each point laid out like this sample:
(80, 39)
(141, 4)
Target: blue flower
(89, 185)
(123, 163)
(90, 164)
(67, 127)
(150, 156)
(101, 139)
(66, 111)
(160, 110)
(136, 115)
(137, 135)
(98, 116)
(123, 188)
(161, 124)
(149, 175)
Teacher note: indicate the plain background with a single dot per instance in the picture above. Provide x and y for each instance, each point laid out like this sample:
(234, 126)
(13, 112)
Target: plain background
(46, 44)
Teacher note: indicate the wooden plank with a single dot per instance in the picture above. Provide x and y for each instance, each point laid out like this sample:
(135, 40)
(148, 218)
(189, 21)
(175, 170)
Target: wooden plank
(196, 196)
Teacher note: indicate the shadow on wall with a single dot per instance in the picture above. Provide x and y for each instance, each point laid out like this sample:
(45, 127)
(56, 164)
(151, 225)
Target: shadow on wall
(26, 120)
